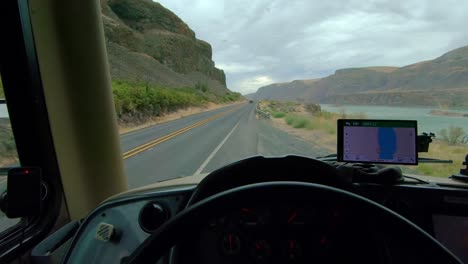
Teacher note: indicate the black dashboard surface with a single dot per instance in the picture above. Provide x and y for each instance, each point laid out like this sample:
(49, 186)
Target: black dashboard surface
(123, 215)
(283, 233)
(254, 228)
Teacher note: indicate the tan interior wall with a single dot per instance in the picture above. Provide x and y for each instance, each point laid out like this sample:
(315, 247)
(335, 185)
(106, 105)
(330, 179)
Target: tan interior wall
(72, 57)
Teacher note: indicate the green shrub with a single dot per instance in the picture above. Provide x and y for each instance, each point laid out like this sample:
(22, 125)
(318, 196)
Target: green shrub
(297, 121)
(300, 123)
(326, 115)
(136, 102)
(280, 106)
(330, 128)
(453, 135)
(278, 114)
(143, 100)
(230, 97)
(289, 120)
(201, 86)
(313, 124)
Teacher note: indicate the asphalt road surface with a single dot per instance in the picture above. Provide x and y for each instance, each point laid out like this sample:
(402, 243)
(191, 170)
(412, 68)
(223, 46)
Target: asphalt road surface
(200, 143)
(204, 142)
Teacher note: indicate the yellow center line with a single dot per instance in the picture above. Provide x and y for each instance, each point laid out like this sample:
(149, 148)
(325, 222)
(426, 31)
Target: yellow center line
(157, 141)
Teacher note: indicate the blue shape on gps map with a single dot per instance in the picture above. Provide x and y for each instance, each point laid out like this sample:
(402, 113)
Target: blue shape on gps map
(387, 142)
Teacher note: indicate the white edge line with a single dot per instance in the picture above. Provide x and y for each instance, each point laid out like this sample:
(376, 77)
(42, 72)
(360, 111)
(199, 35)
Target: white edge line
(210, 157)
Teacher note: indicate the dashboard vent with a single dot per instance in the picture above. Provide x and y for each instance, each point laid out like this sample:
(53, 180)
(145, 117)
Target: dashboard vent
(152, 216)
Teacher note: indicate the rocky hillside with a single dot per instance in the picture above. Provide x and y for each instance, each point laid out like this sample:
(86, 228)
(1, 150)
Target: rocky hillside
(148, 43)
(291, 91)
(442, 81)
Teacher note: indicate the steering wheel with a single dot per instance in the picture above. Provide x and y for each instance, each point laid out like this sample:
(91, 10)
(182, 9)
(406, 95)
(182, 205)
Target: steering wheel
(261, 169)
(416, 244)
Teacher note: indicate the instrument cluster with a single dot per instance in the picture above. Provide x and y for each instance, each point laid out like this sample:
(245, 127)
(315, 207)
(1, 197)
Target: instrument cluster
(273, 234)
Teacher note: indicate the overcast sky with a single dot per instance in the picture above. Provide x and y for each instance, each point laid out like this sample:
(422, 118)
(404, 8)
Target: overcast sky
(258, 42)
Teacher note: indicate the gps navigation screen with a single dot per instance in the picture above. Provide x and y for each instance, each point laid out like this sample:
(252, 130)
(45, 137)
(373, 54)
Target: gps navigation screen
(377, 141)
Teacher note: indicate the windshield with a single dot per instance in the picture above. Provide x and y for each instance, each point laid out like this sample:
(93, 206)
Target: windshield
(201, 85)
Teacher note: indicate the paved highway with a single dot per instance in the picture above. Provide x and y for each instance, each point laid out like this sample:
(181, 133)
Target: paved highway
(204, 142)
(200, 143)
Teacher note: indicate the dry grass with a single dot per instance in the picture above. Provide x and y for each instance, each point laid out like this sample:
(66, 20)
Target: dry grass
(8, 161)
(442, 150)
(320, 130)
(318, 138)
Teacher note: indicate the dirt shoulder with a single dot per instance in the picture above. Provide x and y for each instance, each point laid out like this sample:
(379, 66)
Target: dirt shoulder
(318, 138)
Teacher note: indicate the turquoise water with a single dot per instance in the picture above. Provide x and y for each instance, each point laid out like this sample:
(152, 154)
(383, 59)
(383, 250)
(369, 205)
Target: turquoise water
(426, 122)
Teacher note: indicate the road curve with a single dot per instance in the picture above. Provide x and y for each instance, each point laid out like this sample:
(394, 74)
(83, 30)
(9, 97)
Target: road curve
(191, 145)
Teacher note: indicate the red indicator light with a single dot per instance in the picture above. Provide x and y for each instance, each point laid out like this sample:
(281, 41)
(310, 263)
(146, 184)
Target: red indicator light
(26, 172)
(292, 217)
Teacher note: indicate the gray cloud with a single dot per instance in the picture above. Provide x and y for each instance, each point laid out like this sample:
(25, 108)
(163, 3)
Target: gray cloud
(264, 41)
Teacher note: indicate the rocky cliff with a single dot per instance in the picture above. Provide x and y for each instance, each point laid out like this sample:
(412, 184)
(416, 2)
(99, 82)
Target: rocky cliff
(148, 43)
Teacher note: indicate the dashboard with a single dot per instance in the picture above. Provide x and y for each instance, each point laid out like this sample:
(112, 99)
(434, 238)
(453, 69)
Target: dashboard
(282, 233)
(452, 231)
(270, 233)
(124, 224)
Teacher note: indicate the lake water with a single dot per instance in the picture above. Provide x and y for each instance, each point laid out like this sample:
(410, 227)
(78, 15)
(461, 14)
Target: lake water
(426, 122)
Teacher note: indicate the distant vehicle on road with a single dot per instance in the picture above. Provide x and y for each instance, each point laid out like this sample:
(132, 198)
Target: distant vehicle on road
(251, 101)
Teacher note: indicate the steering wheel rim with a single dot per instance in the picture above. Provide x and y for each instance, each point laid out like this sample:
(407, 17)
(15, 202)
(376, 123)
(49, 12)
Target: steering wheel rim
(176, 229)
(262, 169)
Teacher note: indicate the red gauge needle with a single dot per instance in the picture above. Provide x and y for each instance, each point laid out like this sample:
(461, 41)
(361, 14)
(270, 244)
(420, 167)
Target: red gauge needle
(292, 217)
(230, 240)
